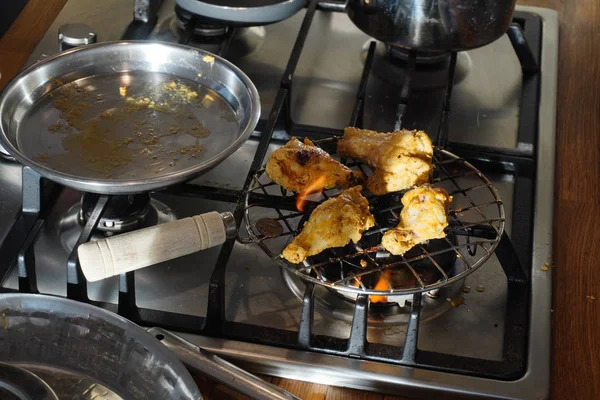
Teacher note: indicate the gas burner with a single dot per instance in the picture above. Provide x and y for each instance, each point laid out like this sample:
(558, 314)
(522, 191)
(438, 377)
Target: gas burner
(402, 55)
(239, 12)
(142, 212)
(430, 72)
(393, 312)
(243, 41)
(122, 213)
(201, 26)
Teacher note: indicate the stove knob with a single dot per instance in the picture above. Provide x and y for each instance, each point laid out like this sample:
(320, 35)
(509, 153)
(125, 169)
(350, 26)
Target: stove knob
(73, 35)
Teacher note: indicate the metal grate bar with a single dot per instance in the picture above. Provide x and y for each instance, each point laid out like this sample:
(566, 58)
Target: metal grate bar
(405, 91)
(524, 53)
(358, 331)
(511, 265)
(409, 351)
(127, 306)
(226, 42)
(26, 261)
(359, 105)
(38, 198)
(442, 137)
(298, 45)
(306, 317)
(76, 283)
(32, 191)
(188, 33)
(215, 316)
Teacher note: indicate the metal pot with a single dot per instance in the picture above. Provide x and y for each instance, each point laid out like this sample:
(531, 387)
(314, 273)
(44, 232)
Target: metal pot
(55, 348)
(432, 26)
(84, 352)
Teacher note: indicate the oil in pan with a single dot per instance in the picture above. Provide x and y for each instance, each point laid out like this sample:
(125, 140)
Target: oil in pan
(136, 125)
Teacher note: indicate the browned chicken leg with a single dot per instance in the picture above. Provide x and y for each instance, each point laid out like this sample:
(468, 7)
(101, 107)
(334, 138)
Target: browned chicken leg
(297, 165)
(401, 159)
(423, 217)
(332, 224)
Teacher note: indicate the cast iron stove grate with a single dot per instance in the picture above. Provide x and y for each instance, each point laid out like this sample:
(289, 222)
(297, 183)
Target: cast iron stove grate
(39, 195)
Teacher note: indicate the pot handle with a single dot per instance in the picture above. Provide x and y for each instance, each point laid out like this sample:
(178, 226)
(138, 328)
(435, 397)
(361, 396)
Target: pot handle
(141, 248)
(220, 370)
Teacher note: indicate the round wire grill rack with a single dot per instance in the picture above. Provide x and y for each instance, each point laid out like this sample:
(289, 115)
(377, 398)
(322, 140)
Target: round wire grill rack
(475, 226)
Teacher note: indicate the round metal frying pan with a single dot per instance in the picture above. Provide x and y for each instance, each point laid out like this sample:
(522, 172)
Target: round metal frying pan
(127, 117)
(243, 12)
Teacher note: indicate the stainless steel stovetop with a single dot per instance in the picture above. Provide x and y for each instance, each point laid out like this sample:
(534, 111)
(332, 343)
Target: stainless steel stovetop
(488, 107)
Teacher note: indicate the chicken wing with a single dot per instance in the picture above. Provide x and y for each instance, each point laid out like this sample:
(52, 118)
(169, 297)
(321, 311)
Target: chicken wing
(423, 217)
(334, 223)
(296, 165)
(401, 159)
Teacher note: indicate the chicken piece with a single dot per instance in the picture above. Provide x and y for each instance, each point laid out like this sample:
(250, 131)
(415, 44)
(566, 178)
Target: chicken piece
(423, 217)
(332, 224)
(297, 165)
(401, 159)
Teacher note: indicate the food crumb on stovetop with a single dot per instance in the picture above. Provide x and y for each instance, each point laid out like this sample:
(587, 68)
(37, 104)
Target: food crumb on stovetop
(455, 302)
(545, 267)
(480, 288)
(466, 289)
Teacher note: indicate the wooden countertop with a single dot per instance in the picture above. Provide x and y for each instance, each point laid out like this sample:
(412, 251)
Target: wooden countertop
(576, 317)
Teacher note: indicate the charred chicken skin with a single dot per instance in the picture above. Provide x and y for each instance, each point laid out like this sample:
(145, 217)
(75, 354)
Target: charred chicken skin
(423, 217)
(401, 159)
(334, 223)
(297, 165)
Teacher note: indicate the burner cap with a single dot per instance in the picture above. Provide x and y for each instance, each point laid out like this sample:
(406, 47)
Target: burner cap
(202, 26)
(122, 213)
(399, 53)
(242, 12)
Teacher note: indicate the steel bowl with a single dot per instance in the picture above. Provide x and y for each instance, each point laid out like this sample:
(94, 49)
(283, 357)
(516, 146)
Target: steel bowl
(84, 352)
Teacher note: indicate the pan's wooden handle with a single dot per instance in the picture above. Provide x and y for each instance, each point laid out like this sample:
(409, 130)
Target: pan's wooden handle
(138, 249)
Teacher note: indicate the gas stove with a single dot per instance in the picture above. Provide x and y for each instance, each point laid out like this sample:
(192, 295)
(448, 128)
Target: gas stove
(316, 74)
